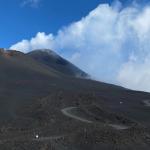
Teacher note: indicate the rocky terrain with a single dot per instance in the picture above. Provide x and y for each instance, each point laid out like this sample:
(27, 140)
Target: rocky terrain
(46, 103)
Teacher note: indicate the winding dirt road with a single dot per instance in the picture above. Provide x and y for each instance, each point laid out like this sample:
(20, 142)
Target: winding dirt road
(67, 112)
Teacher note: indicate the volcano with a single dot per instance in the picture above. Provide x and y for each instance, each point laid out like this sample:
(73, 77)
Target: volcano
(47, 103)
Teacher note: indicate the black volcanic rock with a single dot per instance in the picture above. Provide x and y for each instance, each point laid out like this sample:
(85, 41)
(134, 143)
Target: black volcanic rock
(56, 62)
(20, 79)
(43, 106)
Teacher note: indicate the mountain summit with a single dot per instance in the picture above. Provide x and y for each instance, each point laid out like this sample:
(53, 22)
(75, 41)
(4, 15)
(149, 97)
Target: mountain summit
(53, 60)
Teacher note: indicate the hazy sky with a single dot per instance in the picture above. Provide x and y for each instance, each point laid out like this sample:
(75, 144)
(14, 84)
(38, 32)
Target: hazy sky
(107, 39)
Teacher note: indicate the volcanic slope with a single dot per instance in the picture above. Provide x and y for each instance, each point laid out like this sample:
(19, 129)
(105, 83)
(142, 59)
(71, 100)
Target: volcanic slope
(66, 112)
(21, 79)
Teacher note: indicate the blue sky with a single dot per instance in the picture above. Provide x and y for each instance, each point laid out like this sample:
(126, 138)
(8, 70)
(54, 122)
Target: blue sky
(19, 20)
(107, 39)
(22, 19)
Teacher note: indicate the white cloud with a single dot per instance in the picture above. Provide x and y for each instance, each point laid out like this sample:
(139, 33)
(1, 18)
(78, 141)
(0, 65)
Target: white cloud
(32, 3)
(110, 43)
(135, 75)
(41, 40)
